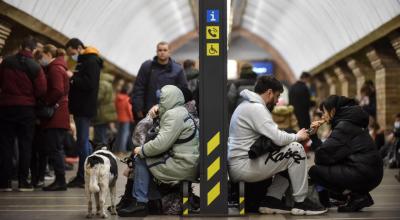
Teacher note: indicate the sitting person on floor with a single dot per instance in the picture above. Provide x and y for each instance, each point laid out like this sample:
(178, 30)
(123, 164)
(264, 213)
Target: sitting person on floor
(172, 156)
(251, 121)
(347, 162)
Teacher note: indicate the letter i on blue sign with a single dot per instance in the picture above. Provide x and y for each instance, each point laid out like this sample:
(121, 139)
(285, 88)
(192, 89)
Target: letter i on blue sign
(213, 16)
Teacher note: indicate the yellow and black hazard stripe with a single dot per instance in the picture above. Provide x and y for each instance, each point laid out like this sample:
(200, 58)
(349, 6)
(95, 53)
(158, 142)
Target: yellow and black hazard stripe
(185, 210)
(241, 198)
(185, 198)
(213, 168)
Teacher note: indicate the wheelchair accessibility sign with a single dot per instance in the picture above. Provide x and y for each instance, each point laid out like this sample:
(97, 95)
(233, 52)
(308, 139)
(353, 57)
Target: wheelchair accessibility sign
(212, 49)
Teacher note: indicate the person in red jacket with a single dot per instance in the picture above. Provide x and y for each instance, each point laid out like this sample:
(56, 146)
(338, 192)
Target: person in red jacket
(22, 81)
(125, 118)
(56, 127)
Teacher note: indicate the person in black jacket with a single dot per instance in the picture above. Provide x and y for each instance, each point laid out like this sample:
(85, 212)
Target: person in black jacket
(300, 99)
(368, 98)
(348, 161)
(247, 80)
(152, 76)
(84, 87)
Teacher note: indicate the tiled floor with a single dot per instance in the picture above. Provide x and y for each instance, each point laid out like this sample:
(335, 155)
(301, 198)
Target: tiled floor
(72, 205)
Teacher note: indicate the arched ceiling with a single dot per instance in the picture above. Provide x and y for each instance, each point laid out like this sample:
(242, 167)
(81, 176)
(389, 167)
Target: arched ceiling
(125, 31)
(304, 32)
(308, 32)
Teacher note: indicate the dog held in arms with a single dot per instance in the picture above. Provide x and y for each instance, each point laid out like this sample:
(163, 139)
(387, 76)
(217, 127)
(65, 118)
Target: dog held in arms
(101, 174)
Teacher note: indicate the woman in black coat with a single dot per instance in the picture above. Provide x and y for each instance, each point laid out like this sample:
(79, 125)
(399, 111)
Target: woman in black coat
(348, 161)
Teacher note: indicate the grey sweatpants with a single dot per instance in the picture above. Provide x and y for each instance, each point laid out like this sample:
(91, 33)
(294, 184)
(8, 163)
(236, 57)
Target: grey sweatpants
(291, 157)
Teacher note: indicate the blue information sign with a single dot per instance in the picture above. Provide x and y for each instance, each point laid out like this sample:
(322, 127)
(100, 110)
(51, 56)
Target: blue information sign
(213, 16)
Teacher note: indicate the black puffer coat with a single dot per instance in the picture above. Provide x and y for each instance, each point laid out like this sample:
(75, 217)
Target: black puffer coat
(348, 159)
(151, 78)
(84, 85)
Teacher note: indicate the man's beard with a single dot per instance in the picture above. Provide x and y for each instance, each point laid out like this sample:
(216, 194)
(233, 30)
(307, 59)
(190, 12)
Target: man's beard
(270, 106)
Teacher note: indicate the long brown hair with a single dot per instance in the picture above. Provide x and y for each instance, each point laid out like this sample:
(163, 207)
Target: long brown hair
(53, 50)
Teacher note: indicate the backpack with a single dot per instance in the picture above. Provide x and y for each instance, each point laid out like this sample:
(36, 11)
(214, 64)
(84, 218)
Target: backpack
(171, 200)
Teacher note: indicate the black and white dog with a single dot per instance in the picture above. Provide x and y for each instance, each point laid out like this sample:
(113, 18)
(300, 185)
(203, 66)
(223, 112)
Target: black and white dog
(101, 173)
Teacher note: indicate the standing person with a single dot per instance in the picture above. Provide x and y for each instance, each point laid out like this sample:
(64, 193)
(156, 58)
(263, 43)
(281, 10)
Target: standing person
(84, 87)
(125, 118)
(246, 80)
(22, 81)
(347, 162)
(192, 74)
(152, 76)
(38, 156)
(368, 98)
(106, 112)
(300, 99)
(55, 128)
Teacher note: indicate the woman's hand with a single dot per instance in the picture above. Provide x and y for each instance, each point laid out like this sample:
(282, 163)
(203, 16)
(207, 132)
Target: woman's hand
(315, 125)
(153, 112)
(69, 73)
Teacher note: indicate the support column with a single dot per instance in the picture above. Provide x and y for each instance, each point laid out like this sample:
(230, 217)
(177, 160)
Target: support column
(346, 81)
(387, 67)
(5, 31)
(333, 83)
(213, 123)
(395, 41)
(362, 71)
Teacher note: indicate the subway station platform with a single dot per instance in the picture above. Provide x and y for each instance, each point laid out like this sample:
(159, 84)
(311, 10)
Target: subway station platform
(71, 204)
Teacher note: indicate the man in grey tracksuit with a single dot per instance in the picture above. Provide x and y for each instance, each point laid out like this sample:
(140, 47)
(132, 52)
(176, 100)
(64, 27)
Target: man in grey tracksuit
(251, 119)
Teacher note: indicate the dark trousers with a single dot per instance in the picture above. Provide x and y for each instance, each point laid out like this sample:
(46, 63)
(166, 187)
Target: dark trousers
(322, 180)
(82, 140)
(39, 159)
(16, 122)
(54, 150)
(320, 177)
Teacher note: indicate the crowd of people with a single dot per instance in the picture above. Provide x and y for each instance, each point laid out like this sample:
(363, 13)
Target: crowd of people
(42, 85)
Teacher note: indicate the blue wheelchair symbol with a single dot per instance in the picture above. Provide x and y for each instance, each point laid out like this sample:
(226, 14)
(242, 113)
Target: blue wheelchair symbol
(212, 16)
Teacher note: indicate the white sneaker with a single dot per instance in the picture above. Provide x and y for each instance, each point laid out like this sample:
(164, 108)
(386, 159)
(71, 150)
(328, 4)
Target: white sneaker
(308, 207)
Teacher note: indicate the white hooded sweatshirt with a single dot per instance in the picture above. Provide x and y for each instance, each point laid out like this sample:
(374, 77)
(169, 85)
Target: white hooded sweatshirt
(250, 120)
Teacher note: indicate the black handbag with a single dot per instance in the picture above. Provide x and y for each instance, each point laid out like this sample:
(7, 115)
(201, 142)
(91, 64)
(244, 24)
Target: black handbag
(262, 146)
(45, 112)
(153, 131)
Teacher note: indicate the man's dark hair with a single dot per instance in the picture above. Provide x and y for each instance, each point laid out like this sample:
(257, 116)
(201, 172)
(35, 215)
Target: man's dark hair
(369, 83)
(305, 75)
(74, 43)
(125, 89)
(267, 82)
(162, 43)
(29, 42)
(188, 64)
